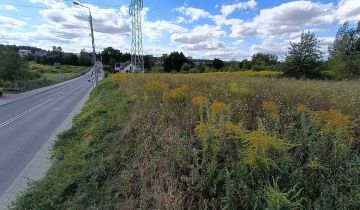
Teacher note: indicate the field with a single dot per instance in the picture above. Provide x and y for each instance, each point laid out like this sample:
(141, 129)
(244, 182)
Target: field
(208, 141)
(45, 75)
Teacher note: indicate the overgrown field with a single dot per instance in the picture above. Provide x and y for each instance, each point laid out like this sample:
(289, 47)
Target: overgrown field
(41, 75)
(162, 141)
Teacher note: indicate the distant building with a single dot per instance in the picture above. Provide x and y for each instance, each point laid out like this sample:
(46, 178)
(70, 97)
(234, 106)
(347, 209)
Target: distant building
(24, 53)
(40, 53)
(201, 62)
(126, 67)
(158, 62)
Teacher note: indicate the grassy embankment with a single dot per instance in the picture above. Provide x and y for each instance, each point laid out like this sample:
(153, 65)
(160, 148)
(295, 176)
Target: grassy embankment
(161, 141)
(45, 75)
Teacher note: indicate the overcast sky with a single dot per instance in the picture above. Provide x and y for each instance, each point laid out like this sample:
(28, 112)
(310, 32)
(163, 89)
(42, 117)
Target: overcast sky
(226, 29)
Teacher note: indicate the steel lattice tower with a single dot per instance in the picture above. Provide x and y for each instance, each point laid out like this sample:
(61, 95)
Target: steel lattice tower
(137, 57)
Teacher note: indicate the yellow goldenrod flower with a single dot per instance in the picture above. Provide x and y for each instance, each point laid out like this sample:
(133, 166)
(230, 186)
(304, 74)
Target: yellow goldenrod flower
(219, 108)
(156, 85)
(304, 109)
(199, 100)
(270, 106)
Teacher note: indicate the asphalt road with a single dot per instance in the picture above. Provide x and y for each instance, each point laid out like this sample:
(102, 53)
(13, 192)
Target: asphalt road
(27, 124)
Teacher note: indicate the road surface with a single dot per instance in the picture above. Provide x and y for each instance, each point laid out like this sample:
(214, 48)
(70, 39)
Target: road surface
(28, 124)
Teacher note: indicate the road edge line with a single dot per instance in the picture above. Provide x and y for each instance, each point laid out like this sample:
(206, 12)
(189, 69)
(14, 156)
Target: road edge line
(41, 163)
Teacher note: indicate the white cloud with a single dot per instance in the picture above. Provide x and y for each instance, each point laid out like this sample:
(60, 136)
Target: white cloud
(230, 8)
(155, 30)
(198, 34)
(9, 7)
(239, 42)
(348, 10)
(194, 13)
(56, 4)
(10, 23)
(286, 20)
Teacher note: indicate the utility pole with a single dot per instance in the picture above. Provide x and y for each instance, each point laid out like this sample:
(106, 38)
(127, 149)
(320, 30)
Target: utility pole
(93, 41)
(137, 51)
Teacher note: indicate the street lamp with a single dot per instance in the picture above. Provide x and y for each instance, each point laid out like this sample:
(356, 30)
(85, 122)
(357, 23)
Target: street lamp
(93, 40)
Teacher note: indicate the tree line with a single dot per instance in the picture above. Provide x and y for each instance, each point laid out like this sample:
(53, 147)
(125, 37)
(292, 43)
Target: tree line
(303, 60)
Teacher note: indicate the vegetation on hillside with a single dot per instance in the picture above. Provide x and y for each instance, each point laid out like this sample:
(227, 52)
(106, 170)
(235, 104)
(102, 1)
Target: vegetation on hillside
(208, 141)
(18, 74)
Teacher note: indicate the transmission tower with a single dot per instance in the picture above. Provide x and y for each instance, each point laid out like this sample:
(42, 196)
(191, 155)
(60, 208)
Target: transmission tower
(137, 57)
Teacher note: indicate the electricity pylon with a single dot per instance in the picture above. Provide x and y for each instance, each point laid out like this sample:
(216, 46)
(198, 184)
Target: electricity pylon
(137, 50)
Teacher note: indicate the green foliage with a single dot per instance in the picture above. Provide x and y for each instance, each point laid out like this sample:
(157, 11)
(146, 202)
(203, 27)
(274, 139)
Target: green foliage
(303, 60)
(174, 61)
(111, 53)
(78, 178)
(263, 61)
(85, 59)
(70, 59)
(344, 53)
(277, 200)
(217, 64)
(12, 67)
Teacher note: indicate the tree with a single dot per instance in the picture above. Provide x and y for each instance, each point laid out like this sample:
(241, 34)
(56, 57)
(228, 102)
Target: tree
(12, 67)
(84, 58)
(70, 59)
(56, 56)
(303, 60)
(261, 61)
(345, 53)
(186, 67)
(217, 63)
(245, 65)
(109, 53)
(174, 61)
(112, 63)
(148, 62)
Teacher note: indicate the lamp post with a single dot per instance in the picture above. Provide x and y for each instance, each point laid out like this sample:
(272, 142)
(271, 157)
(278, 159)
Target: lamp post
(92, 38)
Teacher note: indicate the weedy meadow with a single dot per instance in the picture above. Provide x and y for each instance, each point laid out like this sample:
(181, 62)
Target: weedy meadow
(208, 141)
(227, 141)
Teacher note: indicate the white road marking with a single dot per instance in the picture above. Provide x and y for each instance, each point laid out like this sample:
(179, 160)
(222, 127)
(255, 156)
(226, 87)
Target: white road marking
(24, 113)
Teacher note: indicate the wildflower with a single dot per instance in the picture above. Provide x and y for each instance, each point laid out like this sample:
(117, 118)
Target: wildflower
(315, 164)
(219, 108)
(270, 106)
(119, 78)
(259, 147)
(177, 93)
(156, 85)
(201, 128)
(333, 119)
(304, 110)
(133, 98)
(237, 89)
(199, 100)
(234, 130)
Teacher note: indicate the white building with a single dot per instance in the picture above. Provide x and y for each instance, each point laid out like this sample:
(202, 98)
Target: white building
(126, 67)
(24, 53)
